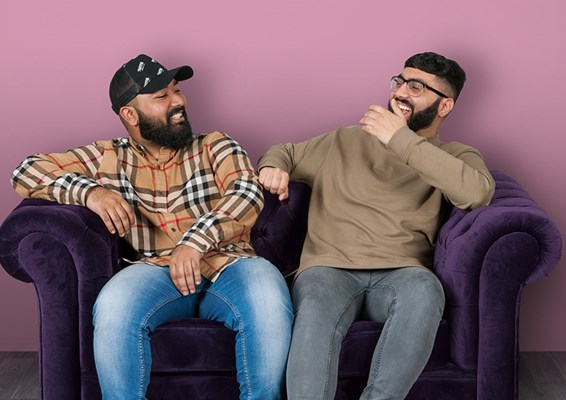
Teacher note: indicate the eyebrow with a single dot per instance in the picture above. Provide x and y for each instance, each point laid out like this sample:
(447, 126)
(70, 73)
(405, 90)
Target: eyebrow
(413, 79)
(438, 92)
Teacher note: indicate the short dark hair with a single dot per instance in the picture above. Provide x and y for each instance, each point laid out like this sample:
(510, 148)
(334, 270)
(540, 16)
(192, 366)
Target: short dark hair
(445, 69)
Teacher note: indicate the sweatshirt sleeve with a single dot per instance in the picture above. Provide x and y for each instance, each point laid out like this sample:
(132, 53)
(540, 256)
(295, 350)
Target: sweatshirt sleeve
(61, 177)
(242, 198)
(301, 160)
(458, 171)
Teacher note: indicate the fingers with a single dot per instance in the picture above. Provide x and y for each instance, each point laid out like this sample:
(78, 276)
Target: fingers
(185, 276)
(372, 115)
(395, 107)
(284, 195)
(184, 269)
(121, 217)
(275, 180)
(116, 213)
(382, 123)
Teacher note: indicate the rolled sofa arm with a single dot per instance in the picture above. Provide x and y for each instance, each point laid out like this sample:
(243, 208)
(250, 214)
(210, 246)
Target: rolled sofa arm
(68, 254)
(68, 224)
(484, 258)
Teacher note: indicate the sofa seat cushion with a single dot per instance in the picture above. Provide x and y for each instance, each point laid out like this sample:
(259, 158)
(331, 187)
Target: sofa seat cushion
(208, 347)
(361, 339)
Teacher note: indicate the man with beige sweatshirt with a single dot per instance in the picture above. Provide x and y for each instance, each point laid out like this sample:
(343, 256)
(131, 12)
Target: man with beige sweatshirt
(378, 190)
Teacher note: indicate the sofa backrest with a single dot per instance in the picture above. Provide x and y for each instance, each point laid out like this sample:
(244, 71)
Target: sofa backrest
(280, 230)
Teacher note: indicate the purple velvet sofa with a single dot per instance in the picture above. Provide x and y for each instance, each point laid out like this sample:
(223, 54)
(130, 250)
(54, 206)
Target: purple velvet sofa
(483, 258)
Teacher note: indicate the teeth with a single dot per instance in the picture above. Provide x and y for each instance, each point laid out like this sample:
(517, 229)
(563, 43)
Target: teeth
(177, 116)
(404, 107)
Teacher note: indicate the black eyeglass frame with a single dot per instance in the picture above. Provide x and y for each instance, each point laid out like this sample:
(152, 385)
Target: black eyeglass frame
(395, 85)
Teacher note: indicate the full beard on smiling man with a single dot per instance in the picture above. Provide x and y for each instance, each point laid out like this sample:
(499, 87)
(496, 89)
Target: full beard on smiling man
(422, 119)
(174, 137)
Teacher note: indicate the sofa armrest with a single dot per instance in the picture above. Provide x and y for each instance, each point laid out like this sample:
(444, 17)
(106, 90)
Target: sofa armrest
(71, 225)
(484, 258)
(68, 254)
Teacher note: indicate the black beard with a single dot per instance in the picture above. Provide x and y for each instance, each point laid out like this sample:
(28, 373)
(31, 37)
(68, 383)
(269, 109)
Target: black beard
(166, 135)
(422, 119)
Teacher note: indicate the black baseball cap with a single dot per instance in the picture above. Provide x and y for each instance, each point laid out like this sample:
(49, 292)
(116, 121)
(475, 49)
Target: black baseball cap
(142, 74)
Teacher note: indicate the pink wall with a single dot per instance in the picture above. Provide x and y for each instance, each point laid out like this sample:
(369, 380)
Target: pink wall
(270, 72)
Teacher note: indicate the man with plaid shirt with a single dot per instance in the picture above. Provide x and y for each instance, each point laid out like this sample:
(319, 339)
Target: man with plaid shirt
(186, 204)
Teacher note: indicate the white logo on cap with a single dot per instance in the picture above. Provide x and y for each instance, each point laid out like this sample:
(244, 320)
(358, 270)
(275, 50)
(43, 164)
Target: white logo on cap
(147, 80)
(141, 66)
(160, 71)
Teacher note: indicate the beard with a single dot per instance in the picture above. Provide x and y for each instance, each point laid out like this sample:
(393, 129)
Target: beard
(174, 137)
(422, 119)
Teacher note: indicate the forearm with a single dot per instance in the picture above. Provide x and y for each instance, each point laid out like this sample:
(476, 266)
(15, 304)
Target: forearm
(231, 219)
(301, 161)
(228, 219)
(278, 156)
(41, 176)
(462, 177)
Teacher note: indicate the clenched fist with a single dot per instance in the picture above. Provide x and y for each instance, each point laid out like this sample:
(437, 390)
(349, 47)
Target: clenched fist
(275, 180)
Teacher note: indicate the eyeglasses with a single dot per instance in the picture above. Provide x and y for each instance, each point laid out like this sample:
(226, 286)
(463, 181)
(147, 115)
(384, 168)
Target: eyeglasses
(414, 86)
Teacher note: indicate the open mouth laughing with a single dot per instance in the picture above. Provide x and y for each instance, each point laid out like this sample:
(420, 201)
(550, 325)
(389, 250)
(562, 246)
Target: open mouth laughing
(177, 115)
(405, 107)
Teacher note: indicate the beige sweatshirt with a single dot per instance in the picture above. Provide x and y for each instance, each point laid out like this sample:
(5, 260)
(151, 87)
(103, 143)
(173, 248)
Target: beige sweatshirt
(377, 206)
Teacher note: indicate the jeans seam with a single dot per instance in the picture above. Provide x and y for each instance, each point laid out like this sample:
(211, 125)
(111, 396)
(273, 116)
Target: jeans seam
(330, 348)
(384, 334)
(141, 327)
(243, 339)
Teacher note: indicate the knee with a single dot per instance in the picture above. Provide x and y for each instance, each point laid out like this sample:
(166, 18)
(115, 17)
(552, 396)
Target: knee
(423, 291)
(113, 305)
(107, 311)
(265, 300)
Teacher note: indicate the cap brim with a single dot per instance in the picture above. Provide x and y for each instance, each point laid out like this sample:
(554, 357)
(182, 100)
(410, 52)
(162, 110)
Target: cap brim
(180, 74)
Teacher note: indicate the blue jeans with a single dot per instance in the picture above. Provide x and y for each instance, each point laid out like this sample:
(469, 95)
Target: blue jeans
(410, 301)
(249, 297)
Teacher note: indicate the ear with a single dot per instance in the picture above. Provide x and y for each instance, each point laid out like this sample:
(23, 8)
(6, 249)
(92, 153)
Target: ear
(129, 115)
(445, 107)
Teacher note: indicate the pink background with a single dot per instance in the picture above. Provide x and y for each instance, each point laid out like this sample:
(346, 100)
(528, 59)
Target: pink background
(269, 72)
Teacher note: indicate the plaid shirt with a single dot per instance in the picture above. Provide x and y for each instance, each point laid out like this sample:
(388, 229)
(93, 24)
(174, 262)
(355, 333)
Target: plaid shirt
(206, 197)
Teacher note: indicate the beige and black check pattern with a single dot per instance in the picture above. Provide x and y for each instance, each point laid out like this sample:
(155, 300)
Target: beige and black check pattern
(206, 196)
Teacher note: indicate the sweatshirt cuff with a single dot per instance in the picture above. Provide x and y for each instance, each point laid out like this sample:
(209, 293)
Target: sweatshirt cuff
(267, 162)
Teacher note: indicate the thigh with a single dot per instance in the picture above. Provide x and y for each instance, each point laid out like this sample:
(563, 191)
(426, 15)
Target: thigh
(250, 289)
(327, 287)
(142, 294)
(328, 299)
(413, 289)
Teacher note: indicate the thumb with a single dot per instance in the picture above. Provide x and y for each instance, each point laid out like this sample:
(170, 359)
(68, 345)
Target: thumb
(284, 195)
(396, 110)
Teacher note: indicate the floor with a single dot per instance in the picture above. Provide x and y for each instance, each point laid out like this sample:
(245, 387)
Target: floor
(542, 375)
(19, 376)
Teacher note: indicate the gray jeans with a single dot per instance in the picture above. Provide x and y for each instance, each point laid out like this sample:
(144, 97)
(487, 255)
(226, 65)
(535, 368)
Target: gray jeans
(410, 301)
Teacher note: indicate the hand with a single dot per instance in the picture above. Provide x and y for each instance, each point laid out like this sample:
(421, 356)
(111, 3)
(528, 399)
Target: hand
(275, 180)
(383, 123)
(184, 269)
(116, 213)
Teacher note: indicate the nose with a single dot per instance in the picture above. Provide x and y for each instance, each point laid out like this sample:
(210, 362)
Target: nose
(177, 98)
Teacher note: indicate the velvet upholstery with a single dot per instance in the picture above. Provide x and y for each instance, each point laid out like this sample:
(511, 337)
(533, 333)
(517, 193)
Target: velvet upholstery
(483, 258)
